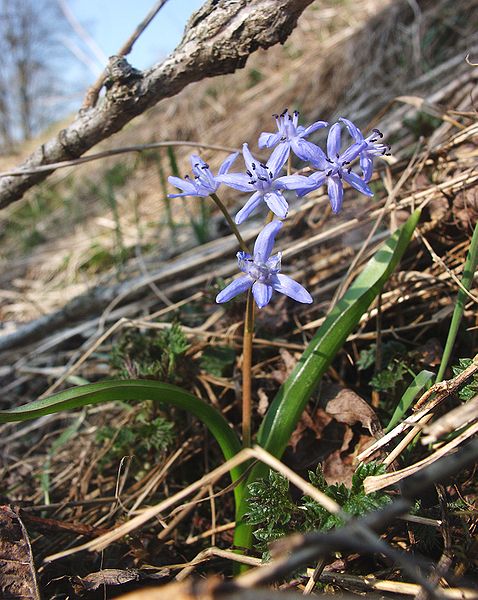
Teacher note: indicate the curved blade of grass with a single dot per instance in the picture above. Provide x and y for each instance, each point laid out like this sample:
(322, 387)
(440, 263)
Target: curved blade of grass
(412, 391)
(293, 395)
(119, 389)
(467, 279)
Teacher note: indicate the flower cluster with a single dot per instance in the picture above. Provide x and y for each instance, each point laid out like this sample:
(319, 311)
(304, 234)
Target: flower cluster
(266, 183)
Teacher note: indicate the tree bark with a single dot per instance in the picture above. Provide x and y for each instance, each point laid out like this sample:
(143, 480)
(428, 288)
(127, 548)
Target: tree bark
(218, 39)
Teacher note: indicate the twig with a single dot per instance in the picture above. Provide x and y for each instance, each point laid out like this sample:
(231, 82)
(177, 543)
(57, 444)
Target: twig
(94, 91)
(430, 399)
(378, 482)
(113, 152)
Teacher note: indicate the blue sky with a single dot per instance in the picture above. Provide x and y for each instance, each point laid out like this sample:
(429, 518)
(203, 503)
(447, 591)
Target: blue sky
(111, 22)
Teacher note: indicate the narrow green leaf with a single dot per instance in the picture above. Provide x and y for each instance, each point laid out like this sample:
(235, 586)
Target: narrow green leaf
(412, 391)
(121, 390)
(290, 401)
(293, 395)
(467, 279)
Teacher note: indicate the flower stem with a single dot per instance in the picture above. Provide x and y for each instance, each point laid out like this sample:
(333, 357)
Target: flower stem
(246, 371)
(231, 223)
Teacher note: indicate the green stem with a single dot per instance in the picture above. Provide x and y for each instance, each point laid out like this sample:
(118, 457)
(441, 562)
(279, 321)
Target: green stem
(247, 371)
(230, 222)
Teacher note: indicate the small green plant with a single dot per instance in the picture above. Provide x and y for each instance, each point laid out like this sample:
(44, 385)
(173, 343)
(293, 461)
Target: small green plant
(217, 360)
(274, 513)
(153, 355)
(471, 389)
(145, 435)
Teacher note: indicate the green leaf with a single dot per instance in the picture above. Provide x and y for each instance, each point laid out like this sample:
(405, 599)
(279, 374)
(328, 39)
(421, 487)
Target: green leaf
(120, 390)
(290, 401)
(469, 269)
(292, 397)
(415, 388)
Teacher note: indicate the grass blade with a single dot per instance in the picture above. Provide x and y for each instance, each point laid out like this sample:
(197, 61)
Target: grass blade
(466, 281)
(412, 391)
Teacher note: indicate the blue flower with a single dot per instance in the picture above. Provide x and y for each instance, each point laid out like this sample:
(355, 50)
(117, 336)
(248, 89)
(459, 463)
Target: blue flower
(334, 168)
(204, 182)
(262, 180)
(263, 273)
(289, 135)
(372, 148)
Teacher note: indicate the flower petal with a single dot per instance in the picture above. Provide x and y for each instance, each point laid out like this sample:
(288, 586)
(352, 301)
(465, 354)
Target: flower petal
(226, 165)
(262, 293)
(288, 286)
(314, 181)
(367, 167)
(267, 140)
(239, 285)
(302, 148)
(311, 128)
(353, 130)
(238, 181)
(292, 182)
(314, 155)
(187, 186)
(334, 141)
(353, 151)
(248, 158)
(278, 158)
(356, 182)
(265, 241)
(277, 204)
(248, 207)
(335, 191)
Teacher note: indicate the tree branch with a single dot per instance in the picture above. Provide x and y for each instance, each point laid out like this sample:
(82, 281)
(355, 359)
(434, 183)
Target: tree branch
(218, 39)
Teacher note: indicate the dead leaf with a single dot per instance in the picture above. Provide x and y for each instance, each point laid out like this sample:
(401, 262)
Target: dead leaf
(348, 407)
(93, 581)
(286, 367)
(316, 423)
(263, 403)
(17, 571)
(338, 468)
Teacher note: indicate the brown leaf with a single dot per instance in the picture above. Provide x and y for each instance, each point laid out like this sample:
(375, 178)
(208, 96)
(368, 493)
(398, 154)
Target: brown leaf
(316, 423)
(263, 403)
(93, 581)
(338, 470)
(17, 571)
(285, 369)
(348, 407)
(465, 208)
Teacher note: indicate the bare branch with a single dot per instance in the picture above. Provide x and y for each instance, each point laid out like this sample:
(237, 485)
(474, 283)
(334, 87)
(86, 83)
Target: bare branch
(218, 40)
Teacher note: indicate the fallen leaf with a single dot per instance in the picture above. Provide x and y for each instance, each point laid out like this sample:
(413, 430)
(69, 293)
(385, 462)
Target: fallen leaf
(316, 423)
(348, 407)
(17, 571)
(286, 367)
(263, 403)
